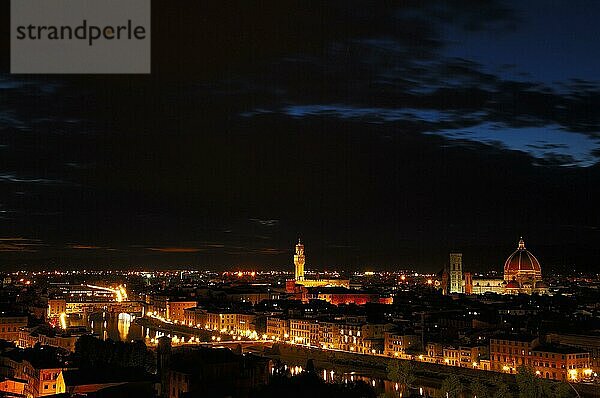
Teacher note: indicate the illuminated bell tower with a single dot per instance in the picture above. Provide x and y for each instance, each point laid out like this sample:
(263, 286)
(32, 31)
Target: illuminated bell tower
(299, 262)
(456, 274)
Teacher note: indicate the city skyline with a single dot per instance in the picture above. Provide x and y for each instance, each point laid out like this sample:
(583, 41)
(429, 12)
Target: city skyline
(346, 270)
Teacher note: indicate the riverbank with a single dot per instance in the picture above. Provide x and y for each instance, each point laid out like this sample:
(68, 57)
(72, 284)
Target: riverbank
(181, 330)
(372, 366)
(427, 374)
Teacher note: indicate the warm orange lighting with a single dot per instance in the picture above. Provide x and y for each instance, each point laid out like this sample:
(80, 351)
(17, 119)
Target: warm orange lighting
(573, 374)
(63, 320)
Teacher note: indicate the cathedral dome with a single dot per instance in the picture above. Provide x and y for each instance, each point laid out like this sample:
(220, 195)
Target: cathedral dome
(521, 264)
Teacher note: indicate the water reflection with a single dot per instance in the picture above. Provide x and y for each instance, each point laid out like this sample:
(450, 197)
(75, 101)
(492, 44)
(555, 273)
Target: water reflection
(381, 386)
(123, 326)
(117, 327)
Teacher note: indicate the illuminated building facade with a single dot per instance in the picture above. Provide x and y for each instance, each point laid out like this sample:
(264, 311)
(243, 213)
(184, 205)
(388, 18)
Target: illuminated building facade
(278, 328)
(40, 378)
(229, 321)
(435, 350)
(522, 274)
(56, 307)
(588, 342)
(12, 386)
(304, 331)
(329, 334)
(563, 363)
(10, 325)
(488, 285)
(468, 283)
(340, 295)
(549, 361)
(396, 344)
(451, 356)
(299, 260)
(195, 316)
(456, 275)
(65, 339)
(175, 309)
(509, 352)
(364, 338)
(299, 279)
(469, 356)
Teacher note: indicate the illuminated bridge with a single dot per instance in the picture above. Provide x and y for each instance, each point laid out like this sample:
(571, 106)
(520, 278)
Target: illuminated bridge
(87, 299)
(88, 307)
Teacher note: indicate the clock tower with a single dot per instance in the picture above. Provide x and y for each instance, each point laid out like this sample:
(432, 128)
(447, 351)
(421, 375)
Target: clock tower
(299, 261)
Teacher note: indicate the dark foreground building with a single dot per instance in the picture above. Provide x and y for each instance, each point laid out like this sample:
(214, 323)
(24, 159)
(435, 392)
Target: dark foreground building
(212, 372)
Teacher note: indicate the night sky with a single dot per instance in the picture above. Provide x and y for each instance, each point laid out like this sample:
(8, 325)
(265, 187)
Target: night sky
(385, 134)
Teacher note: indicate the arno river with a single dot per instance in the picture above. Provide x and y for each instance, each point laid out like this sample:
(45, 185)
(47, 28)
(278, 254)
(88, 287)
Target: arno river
(111, 326)
(123, 328)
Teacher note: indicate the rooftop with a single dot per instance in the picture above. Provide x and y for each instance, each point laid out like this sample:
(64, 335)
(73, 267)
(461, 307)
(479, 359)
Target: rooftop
(559, 349)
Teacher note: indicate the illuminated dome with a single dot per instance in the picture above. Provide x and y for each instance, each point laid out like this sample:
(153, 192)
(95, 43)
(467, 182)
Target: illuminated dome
(522, 265)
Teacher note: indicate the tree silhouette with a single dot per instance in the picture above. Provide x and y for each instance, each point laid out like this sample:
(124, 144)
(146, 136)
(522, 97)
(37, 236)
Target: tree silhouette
(530, 386)
(91, 352)
(563, 390)
(310, 366)
(402, 372)
(502, 390)
(479, 389)
(451, 387)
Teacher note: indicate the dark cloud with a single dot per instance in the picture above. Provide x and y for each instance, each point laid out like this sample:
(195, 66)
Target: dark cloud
(547, 145)
(175, 249)
(18, 244)
(265, 223)
(78, 246)
(340, 122)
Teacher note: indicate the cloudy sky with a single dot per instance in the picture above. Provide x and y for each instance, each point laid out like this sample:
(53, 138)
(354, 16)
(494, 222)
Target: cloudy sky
(383, 133)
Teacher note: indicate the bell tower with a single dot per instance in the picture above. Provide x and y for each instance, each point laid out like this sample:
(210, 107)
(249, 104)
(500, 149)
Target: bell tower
(299, 261)
(456, 274)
